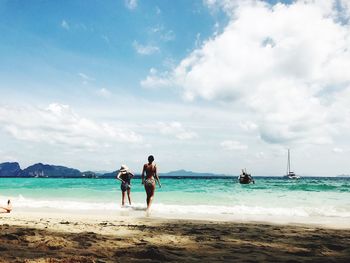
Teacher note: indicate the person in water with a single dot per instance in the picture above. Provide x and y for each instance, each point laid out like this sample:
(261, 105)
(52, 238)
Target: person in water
(150, 170)
(124, 175)
(6, 209)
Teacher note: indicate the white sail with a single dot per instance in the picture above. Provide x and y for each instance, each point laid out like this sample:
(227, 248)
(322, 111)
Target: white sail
(289, 174)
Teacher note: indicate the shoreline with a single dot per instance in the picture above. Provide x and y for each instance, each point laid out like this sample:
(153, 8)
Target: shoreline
(87, 217)
(139, 213)
(45, 237)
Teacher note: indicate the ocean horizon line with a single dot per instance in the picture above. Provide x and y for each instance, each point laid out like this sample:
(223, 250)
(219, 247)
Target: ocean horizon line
(40, 170)
(138, 176)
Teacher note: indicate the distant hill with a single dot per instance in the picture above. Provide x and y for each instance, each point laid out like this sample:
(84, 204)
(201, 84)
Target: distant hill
(39, 170)
(10, 169)
(108, 175)
(13, 169)
(55, 171)
(343, 175)
(89, 174)
(46, 170)
(99, 172)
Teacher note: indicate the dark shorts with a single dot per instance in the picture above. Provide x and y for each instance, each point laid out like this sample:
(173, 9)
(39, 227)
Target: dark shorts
(124, 187)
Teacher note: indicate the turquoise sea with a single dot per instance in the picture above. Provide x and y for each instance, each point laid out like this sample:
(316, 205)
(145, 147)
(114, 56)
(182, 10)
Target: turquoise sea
(308, 200)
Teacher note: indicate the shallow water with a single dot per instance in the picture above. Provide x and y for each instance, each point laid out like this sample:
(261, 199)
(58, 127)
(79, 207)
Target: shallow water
(313, 199)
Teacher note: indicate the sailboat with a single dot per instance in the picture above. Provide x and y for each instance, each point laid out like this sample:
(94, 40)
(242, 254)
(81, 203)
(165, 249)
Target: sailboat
(289, 174)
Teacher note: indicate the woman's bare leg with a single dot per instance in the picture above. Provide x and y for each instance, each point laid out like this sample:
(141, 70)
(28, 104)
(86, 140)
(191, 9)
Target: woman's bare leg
(150, 194)
(149, 200)
(123, 198)
(129, 197)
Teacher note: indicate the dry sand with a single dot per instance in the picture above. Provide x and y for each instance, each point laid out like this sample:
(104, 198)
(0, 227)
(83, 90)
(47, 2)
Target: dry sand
(63, 238)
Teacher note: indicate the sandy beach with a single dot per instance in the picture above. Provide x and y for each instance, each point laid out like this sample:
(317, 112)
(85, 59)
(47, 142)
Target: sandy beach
(40, 237)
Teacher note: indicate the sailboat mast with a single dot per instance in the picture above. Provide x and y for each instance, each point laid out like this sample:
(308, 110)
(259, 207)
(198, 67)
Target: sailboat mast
(289, 159)
(288, 163)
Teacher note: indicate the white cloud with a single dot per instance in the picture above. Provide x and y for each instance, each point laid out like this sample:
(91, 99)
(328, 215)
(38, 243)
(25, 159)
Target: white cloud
(176, 129)
(168, 36)
(145, 49)
(260, 155)
(106, 39)
(155, 80)
(104, 93)
(198, 41)
(233, 145)
(248, 125)
(58, 124)
(345, 9)
(75, 26)
(163, 33)
(285, 64)
(131, 4)
(85, 78)
(65, 25)
(338, 150)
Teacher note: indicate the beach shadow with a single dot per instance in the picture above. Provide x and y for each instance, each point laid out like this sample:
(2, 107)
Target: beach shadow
(175, 241)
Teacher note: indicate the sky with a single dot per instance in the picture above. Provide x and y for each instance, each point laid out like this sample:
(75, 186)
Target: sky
(203, 85)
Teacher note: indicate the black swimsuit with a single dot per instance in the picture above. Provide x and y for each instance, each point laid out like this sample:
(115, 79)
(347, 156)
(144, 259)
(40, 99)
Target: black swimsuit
(126, 184)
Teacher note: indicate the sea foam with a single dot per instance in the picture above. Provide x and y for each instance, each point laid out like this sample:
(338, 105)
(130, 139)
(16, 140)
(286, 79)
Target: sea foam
(209, 212)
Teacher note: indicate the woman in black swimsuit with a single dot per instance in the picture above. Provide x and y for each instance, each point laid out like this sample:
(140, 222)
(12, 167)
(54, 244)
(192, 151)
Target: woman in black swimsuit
(125, 176)
(150, 169)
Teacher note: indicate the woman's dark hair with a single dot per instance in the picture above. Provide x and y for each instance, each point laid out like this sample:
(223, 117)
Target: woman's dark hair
(150, 158)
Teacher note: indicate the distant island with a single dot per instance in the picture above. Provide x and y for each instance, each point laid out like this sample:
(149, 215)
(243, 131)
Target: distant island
(343, 175)
(39, 170)
(12, 169)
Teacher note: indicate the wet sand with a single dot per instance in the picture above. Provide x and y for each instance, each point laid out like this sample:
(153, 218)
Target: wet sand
(62, 238)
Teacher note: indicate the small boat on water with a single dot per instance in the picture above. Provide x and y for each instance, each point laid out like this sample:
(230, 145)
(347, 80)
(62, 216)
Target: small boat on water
(289, 174)
(245, 178)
